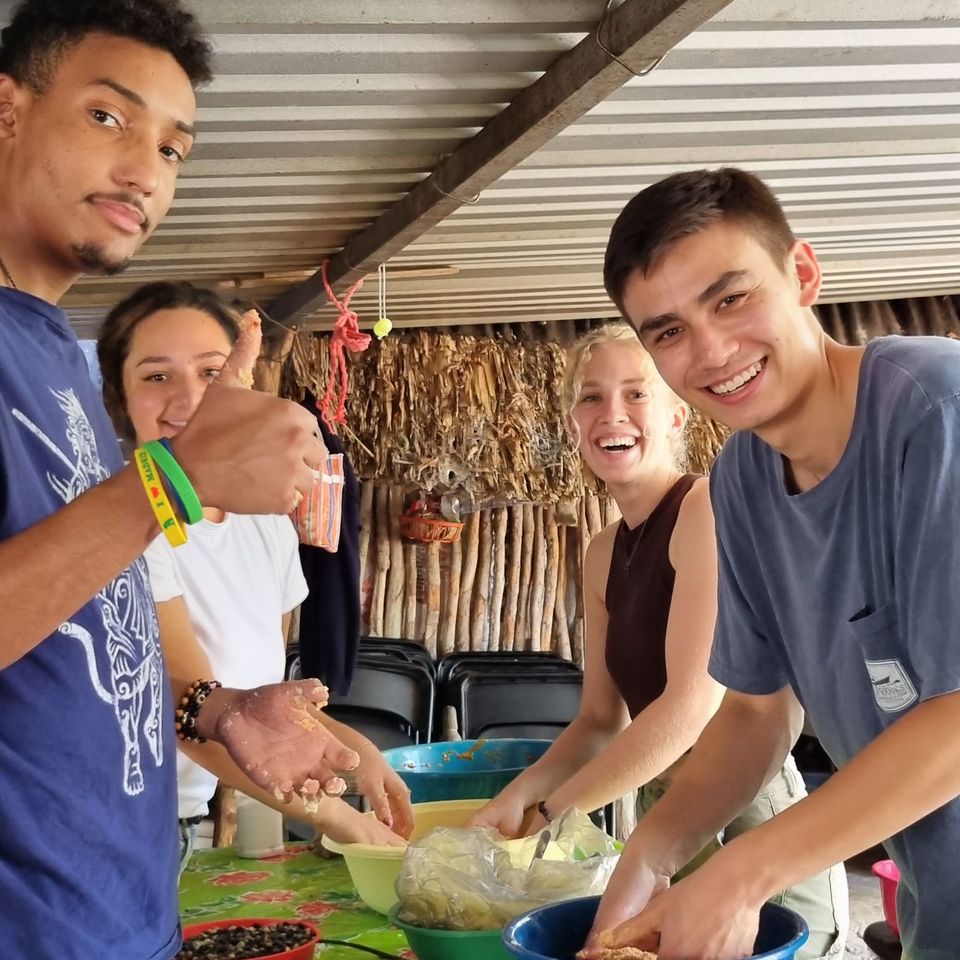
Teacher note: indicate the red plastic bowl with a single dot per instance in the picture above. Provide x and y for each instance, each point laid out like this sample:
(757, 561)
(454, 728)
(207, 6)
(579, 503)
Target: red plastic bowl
(889, 876)
(303, 952)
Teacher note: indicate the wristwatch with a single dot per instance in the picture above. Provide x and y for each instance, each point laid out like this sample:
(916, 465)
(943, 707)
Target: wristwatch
(544, 812)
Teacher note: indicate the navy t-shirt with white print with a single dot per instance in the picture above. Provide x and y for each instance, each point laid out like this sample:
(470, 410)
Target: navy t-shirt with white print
(88, 847)
(850, 591)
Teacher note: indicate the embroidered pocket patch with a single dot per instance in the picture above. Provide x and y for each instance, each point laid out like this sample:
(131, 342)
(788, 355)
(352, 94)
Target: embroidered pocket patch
(892, 688)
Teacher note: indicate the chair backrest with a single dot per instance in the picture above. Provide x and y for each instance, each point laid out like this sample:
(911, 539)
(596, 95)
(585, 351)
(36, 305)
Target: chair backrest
(410, 650)
(451, 674)
(380, 728)
(292, 669)
(387, 695)
(535, 703)
(498, 659)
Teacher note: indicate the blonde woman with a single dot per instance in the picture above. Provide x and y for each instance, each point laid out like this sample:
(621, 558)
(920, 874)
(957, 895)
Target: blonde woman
(650, 584)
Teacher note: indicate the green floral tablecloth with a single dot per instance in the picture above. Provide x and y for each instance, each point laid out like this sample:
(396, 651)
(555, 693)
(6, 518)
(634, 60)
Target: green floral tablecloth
(297, 884)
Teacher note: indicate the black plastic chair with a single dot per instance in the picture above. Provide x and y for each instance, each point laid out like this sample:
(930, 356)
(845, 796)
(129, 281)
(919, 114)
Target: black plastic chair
(528, 700)
(504, 660)
(534, 703)
(292, 669)
(398, 649)
(454, 668)
(390, 703)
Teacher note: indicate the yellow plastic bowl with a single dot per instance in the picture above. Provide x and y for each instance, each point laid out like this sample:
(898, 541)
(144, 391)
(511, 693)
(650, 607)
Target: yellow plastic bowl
(374, 869)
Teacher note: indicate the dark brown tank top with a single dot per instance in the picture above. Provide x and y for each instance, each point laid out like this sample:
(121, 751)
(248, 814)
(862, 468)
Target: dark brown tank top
(638, 595)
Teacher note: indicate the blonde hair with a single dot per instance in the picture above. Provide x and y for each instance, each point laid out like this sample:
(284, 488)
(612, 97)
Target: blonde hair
(578, 356)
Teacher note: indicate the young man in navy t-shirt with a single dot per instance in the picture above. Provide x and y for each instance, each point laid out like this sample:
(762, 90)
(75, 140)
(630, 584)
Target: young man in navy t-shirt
(96, 116)
(837, 504)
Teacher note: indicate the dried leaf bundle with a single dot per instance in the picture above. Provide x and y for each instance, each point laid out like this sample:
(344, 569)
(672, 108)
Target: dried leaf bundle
(441, 413)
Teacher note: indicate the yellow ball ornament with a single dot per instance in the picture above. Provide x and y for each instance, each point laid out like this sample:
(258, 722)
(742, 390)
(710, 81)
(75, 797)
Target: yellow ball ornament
(382, 327)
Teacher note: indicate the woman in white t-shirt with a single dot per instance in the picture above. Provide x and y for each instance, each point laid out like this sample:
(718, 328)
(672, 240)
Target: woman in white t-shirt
(224, 598)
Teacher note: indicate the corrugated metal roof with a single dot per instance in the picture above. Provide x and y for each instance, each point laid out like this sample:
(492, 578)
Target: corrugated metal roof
(324, 113)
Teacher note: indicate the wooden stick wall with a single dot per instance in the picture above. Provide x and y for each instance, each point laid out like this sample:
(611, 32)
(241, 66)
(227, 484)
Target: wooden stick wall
(510, 583)
(437, 412)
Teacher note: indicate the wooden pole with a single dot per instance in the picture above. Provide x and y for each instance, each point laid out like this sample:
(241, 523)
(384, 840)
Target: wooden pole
(625, 811)
(571, 597)
(451, 601)
(224, 805)
(393, 603)
(560, 625)
(382, 538)
(580, 560)
(433, 598)
(522, 641)
(481, 584)
(410, 591)
(584, 529)
(499, 577)
(577, 642)
(551, 542)
(293, 631)
(366, 580)
(594, 516)
(538, 577)
(471, 543)
(509, 631)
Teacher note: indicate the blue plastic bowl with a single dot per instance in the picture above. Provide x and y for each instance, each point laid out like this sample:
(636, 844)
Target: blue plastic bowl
(463, 769)
(558, 931)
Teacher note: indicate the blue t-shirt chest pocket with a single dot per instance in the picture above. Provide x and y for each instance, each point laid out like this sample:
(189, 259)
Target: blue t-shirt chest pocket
(887, 668)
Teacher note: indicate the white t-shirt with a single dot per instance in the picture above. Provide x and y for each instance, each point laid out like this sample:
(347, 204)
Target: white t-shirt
(237, 578)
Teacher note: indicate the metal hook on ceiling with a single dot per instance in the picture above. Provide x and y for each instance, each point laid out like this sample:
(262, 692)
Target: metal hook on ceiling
(440, 189)
(649, 68)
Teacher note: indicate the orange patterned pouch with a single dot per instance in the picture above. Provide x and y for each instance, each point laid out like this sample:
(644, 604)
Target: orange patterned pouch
(317, 517)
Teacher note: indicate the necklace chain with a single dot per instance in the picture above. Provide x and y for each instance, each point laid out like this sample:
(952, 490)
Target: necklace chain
(7, 276)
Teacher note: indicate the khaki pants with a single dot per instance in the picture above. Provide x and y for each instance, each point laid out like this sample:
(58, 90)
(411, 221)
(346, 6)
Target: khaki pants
(822, 900)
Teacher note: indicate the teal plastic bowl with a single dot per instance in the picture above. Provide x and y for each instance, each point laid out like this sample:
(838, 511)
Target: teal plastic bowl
(558, 931)
(463, 769)
(430, 944)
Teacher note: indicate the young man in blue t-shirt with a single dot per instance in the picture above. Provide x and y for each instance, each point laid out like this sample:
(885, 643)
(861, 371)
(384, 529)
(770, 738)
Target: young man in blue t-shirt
(837, 504)
(96, 115)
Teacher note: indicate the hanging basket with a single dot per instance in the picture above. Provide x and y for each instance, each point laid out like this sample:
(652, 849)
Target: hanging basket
(430, 529)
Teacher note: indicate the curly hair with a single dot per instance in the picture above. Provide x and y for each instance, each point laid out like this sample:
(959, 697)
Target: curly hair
(41, 31)
(116, 333)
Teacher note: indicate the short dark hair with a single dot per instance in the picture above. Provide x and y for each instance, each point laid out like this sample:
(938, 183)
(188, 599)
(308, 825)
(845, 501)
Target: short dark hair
(41, 31)
(684, 204)
(113, 341)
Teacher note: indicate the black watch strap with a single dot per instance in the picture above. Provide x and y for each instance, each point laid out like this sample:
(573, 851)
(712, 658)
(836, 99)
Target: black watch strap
(544, 812)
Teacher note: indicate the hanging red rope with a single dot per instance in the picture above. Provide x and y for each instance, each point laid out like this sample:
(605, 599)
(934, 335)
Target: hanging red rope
(346, 335)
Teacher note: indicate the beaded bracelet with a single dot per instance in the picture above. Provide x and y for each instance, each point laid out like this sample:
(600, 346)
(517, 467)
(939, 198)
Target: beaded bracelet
(162, 509)
(173, 472)
(185, 716)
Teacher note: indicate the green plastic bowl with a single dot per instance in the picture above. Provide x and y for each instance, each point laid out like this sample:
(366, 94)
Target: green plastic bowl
(430, 944)
(374, 870)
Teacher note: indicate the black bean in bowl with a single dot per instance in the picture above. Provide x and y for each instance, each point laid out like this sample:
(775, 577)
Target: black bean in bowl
(237, 942)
